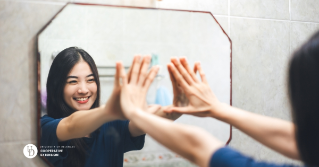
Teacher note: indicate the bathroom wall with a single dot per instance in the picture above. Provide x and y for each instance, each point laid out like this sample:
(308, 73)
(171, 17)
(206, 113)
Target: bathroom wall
(264, 34)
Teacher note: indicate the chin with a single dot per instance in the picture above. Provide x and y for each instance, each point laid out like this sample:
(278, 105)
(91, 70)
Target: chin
(88, 107)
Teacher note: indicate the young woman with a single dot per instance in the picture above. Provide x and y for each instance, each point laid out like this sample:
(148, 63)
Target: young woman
(75, 122)
(297, 140)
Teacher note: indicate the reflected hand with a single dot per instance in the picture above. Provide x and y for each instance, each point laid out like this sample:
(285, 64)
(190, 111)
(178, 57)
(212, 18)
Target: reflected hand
(113, 106)
(153, 108)
(202, 101)
(134, 89)
(180, 99)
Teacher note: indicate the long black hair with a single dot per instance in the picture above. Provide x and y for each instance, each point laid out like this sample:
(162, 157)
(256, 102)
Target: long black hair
(304, 97)
(57, 107)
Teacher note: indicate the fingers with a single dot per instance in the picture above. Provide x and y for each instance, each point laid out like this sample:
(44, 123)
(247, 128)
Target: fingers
(120, 68)
(178, 77)
(201, 72)
(188, 69)
(150, 77)
(173, 80)
(143, 71)
(129, 72)
(182, 71)
(117, 75)
(135, 69)
(195, 69)
(180, 110)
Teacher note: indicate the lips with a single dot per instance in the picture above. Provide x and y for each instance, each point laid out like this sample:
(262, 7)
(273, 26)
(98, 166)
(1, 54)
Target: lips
(82, 100)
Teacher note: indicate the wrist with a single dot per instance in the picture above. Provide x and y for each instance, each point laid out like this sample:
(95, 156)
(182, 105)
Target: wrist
(219, 110)
(133, 114)
(107, 114)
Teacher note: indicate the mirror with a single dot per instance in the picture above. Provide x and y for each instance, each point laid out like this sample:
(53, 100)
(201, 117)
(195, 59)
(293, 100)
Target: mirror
(113, 33)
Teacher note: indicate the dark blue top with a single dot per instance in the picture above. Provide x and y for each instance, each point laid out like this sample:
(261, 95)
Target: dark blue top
(106, 146)
(227, 157)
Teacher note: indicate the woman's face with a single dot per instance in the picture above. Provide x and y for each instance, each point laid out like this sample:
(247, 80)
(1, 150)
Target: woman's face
(80, 89)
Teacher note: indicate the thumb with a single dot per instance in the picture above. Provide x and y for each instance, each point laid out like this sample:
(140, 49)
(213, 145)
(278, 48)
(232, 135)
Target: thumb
(181, 110)
(117, 74)
(153, 108)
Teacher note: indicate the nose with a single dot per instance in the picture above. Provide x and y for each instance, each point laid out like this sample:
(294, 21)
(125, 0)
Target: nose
(83, 89)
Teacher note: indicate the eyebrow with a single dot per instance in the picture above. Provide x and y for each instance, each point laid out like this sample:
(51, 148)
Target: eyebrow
(78, 77)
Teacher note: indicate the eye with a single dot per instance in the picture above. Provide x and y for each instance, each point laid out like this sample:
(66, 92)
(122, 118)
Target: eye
(91, 80)
(72, 82)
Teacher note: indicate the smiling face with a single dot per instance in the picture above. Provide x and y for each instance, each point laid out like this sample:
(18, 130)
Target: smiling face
(80, 90)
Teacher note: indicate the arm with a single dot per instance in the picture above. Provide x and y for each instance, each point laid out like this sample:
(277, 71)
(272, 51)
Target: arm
(190, 142)
(277, 134)
(82, 123)
(272, 132)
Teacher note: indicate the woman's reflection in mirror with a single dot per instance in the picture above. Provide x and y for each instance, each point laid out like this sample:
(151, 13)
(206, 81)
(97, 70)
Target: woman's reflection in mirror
(86, 133)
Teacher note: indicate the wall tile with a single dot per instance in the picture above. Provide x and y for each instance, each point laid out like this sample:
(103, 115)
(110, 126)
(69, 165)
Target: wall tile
(271, 9)
(215, 7)
(103, 23)
(300, 33)
(11, 155)
(244, 144)
(175, 27)
(305, 10)
(18, 67)
(142, 25)
(174, 4)
(223, 21)
(74, 18)
(205, 30)
(260, 58)
(105, 53)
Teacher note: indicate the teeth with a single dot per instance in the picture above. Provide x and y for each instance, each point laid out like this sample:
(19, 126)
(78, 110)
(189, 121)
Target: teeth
(82, 99)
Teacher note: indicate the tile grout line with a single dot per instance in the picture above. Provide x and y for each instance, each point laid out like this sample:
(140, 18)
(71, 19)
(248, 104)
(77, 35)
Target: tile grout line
(243, 17)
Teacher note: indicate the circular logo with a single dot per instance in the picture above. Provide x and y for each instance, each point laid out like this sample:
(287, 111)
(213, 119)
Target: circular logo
(30, 151)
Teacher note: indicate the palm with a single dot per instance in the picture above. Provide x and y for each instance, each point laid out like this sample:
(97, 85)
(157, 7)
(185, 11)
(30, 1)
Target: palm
(114, 105)
(180, 99)
(200, 102)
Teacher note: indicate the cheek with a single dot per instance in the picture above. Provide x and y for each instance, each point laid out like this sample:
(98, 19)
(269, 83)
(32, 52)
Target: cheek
(93, 89)
(68, 92)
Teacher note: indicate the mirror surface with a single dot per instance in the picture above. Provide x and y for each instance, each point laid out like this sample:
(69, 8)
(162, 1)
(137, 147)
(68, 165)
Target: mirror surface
(111, 34)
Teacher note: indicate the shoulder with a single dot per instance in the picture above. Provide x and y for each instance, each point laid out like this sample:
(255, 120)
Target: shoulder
(47, 121)
(44, 119)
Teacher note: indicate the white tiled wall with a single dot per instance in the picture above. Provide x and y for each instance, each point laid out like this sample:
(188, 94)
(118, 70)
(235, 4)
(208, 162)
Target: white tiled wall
(264, 34)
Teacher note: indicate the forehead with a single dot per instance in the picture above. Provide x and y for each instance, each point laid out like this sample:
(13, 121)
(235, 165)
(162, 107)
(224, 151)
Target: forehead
(81, 68)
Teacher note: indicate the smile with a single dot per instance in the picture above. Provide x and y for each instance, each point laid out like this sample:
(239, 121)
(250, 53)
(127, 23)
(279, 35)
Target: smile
(82, 100)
